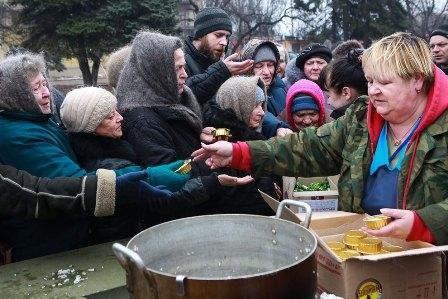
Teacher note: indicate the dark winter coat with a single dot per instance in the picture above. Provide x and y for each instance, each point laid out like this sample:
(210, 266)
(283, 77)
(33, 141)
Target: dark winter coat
(276, 96)
(161, 125)
(26, 196)
(94, 152)
(270, 122)
(205, 76)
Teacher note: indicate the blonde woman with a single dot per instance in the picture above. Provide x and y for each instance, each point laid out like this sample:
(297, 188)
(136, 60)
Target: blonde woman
(390, 148)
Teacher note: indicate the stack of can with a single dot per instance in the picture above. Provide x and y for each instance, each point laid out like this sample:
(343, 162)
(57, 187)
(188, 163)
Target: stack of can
(357, 242)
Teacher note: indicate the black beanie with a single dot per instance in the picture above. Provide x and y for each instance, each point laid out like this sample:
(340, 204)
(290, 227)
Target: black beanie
(442, 30)
(211, 19)
(313, 50)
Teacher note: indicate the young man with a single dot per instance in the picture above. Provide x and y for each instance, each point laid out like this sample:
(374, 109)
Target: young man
(438, 43)
(204, 52)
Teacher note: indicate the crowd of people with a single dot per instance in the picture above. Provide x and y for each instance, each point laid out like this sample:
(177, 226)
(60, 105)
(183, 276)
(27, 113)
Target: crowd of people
(103, 165)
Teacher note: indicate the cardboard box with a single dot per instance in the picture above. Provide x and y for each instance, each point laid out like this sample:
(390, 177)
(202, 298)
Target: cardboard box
(418, 272)
(320, 201)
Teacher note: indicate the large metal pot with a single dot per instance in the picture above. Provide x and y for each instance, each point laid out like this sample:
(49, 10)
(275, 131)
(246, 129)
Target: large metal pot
(222, 256)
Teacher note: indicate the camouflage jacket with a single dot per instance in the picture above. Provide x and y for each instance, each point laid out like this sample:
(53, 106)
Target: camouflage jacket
(344, 147)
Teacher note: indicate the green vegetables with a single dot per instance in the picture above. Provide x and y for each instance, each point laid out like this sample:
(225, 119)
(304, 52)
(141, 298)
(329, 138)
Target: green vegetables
(316, 186)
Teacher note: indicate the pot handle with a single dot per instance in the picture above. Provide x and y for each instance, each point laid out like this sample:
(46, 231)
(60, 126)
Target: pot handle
(308, 211)
(125, 256)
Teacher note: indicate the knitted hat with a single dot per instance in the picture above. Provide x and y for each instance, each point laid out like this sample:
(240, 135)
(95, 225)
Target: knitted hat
(211, 19)
(303, 102)
(85, 108)
(313, 50)
(442, 30)
(116, 63)
(264, 53)
(260, 96)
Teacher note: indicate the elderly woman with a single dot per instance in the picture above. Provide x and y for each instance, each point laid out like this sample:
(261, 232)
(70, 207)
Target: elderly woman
(94, 127)
(305, 105)
(31, 141)
(390, 148)
(308, 65)
(266, 58)
(240, 108)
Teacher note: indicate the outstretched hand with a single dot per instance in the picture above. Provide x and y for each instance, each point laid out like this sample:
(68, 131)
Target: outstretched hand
(232, 181)
(216, 155)
(400, 227)
(132, 187)
(237, 67)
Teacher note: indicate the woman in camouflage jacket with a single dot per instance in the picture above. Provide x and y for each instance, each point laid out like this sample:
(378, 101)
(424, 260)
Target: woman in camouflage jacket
(407, 99)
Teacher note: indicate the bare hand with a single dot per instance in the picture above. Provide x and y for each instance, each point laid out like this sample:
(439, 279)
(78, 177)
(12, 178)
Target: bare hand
(236, 67)
(218, 154)
(399, 228)
(207, 135)
(282, 132)
(232, 181)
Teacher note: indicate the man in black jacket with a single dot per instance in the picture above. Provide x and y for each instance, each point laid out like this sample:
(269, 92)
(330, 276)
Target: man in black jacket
(439, 47)
(203, 52)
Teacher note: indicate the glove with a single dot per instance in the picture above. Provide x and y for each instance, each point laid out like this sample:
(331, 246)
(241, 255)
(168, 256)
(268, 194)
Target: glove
(131, 187)
(165, 175)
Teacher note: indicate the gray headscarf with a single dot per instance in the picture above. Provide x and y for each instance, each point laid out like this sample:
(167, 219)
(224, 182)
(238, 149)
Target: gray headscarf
(239, 94)
(149, 78)
(15, 89)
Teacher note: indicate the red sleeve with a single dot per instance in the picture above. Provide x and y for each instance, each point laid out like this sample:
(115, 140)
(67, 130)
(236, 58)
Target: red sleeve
(420, 231)
(241, 157)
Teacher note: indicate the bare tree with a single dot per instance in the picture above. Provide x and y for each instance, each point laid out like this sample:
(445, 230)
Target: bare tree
(253, 17)
(426, 15)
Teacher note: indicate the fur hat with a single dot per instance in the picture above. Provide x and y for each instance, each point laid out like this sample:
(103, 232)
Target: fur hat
(313, 50)
(211, 19)
(239, 93)
(441, 30)
(115, 64)
(344, 48)
(85, 108)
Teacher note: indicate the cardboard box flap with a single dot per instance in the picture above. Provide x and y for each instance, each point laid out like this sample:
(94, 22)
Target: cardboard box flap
(287, 214)
(409, 252)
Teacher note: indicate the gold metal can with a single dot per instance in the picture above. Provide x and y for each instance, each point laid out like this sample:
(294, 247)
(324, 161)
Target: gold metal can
(184, 168)
(348, 253)
(370, 245)
(392, 248)
(222, 134)
(336, 246)
(352, 237)
(377, 221)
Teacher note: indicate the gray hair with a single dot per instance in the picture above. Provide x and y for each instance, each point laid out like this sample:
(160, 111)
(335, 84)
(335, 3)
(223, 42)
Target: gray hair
(15, 73)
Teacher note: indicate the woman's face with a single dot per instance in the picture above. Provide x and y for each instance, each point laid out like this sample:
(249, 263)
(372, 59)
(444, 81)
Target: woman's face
(395, 99)
(313, 67)
(266, 70)
(256, 118)
(305, 118)
(39, 87)
(110, 126)
(340, 99)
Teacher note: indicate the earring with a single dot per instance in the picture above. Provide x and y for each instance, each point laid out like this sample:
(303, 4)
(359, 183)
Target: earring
(418, 90)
